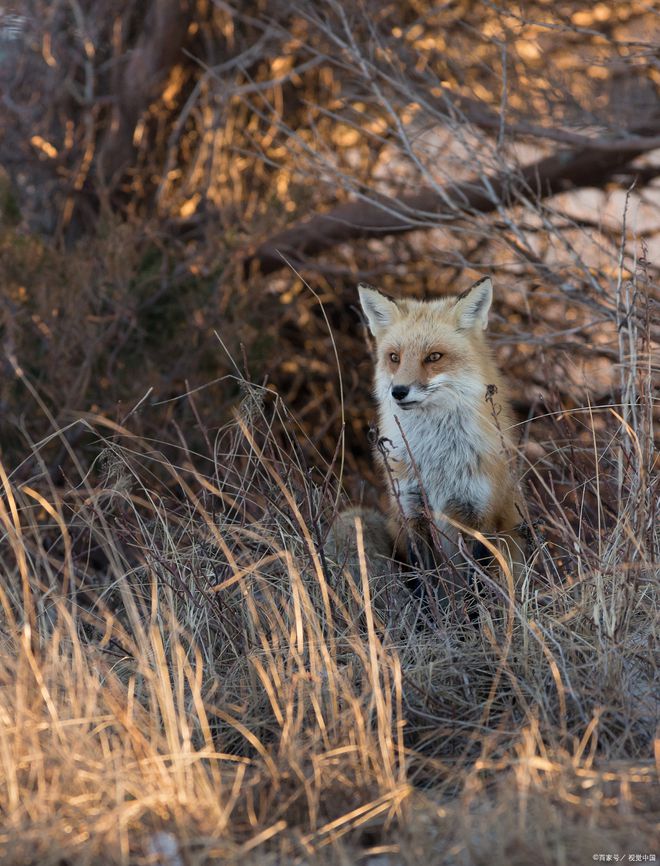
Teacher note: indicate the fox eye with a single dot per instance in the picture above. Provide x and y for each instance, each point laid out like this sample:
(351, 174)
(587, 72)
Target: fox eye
(433, 357)
(394, 358)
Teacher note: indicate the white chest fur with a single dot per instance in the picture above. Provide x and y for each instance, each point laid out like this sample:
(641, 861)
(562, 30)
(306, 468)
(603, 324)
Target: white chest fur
(440, 456)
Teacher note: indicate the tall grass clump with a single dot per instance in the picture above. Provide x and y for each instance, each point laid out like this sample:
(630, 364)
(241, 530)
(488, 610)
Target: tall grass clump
(194, 670)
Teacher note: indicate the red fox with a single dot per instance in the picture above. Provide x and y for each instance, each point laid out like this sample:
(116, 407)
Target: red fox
(444, 418)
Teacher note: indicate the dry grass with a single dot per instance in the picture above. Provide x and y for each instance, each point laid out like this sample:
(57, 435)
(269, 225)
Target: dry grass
(192, 671)
(191, 674)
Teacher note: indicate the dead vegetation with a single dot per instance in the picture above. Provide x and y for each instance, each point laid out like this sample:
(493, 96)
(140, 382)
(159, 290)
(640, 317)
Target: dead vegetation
(191, 672)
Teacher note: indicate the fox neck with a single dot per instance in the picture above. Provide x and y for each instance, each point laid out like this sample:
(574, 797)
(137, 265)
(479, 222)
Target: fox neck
(454, 420)
(445, 450)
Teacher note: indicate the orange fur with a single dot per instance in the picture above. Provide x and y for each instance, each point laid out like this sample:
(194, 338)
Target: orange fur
(444, 413)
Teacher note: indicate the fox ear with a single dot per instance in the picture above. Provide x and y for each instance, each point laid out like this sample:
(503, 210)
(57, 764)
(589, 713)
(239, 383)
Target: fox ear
(472, 306)
(378, 309)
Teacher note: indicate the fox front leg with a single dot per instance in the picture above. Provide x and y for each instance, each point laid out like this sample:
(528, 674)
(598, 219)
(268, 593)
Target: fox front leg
(420, 545)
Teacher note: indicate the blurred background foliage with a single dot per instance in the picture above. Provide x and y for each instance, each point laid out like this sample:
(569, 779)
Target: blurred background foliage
(152, 153)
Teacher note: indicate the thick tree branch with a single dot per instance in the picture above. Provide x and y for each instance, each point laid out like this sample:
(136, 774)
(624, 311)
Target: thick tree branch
(565, 170)
(149, 63)
(482, 115)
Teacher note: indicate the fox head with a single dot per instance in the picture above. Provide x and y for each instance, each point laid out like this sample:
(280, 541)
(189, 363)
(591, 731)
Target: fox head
(429, 353)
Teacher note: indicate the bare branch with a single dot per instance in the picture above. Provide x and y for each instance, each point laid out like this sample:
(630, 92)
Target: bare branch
(562, 171)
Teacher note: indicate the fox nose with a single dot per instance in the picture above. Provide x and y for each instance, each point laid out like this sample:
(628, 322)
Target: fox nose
(400, 392)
